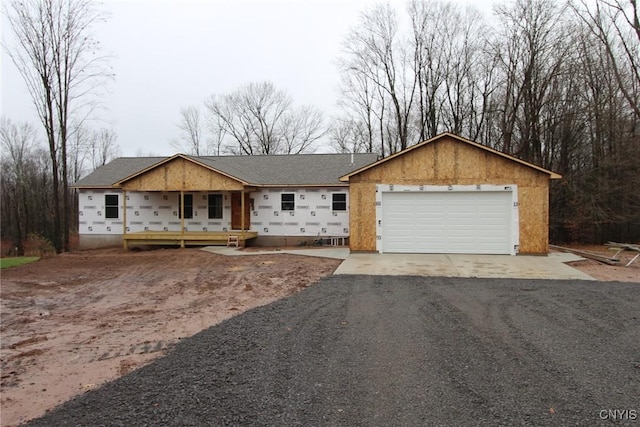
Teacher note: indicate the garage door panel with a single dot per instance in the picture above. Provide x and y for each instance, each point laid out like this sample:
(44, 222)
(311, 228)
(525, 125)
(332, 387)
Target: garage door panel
(457, 235)
(447, 222)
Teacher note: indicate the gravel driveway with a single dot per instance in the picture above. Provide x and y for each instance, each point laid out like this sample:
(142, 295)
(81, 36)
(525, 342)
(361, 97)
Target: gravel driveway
(365, 350)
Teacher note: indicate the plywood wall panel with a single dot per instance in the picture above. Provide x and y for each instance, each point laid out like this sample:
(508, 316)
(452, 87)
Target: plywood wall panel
(362, 216)
(472, 165)
(445, 160)
(534, 220)
(181, 174)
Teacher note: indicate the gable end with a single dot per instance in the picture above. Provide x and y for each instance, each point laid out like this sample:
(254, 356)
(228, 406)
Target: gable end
(180, 174)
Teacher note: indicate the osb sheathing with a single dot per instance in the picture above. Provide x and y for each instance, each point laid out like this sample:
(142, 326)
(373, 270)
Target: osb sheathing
(181, 174)
(448, 161)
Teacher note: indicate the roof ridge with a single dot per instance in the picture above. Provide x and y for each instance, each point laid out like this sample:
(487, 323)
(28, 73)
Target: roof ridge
(280, 155)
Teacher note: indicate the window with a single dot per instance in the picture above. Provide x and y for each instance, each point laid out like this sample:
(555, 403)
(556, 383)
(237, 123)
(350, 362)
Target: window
(188, 206)
(111, 209)
(339, 202)
(215, 206)
(288, 201)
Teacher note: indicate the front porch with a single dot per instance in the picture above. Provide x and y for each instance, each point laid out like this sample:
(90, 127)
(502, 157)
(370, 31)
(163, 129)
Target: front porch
(186, 238)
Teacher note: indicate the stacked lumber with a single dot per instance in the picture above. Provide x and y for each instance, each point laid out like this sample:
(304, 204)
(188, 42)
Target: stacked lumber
(586, 254)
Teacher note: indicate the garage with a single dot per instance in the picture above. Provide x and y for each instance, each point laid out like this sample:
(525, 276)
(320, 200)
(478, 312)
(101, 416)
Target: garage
(450, 195)
(477, 222)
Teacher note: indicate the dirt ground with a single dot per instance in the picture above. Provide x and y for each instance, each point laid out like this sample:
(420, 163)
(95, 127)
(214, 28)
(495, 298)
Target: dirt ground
(610, 273)
(72, 322)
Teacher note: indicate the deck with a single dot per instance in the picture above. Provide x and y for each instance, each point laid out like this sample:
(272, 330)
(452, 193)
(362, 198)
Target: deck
(187, 238)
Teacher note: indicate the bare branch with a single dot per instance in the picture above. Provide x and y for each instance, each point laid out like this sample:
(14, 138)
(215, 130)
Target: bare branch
(192, 135)
(260, 119)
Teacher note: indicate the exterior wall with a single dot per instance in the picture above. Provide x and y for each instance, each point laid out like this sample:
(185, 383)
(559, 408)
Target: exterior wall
(444, 162)
(94, 241)
(312, 217)
(91, 216)
(148, 211)
(271, 241)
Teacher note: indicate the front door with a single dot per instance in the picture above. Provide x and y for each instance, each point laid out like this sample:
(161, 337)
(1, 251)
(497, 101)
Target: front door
(236, 211)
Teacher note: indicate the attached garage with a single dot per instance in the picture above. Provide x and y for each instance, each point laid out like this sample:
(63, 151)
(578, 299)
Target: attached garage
(450, 195)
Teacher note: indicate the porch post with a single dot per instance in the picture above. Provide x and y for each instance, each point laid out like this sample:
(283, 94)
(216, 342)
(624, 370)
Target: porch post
(182, 218)
(124, 220)
(242, 212)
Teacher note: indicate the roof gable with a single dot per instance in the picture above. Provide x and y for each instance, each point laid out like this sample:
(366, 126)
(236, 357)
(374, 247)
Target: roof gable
(552, 175)
(179, 172)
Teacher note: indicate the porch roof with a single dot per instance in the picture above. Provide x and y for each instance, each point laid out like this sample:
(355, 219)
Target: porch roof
(272, 170)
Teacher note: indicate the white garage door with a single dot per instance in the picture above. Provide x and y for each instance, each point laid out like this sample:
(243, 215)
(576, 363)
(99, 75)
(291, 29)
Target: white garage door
(447, 222)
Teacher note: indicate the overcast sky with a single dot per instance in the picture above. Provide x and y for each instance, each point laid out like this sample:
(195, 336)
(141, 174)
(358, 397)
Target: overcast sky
(167, 54)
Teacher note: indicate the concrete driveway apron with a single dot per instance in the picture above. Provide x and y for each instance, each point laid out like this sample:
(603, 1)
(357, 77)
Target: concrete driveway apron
(454, 265)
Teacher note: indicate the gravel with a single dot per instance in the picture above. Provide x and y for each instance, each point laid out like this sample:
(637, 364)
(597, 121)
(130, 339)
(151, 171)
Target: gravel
(379, 350)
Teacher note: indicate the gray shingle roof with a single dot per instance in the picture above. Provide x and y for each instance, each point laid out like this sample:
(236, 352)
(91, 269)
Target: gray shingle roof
(299, 169)
(114, 171)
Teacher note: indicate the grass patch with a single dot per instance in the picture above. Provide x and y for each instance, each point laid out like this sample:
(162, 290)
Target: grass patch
(12, 262)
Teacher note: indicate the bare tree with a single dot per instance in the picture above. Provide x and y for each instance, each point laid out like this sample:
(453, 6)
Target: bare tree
(79, 143)
(453, 69)
(300, 128)
(358, 102)
(375, 59)
(218, 133)
(90, 149)
(405, 85)
(616, 25)
(56, 55)
(192, 132)
(600, 179)
(260, 119)
(16, 142)
(429, 22)
(104, 147)
(350, 136)
(26, 188)
(533, 61)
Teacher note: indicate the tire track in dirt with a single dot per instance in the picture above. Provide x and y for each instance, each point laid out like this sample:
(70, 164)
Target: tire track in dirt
(363, 350)
(106, 312)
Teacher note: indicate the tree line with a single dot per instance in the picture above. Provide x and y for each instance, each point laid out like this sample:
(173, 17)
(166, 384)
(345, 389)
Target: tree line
(553, 83)
(27, 204)
(60, 62)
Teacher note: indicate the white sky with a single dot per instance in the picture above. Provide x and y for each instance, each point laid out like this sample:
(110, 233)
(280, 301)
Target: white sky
(169, 54)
